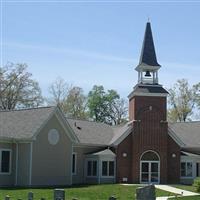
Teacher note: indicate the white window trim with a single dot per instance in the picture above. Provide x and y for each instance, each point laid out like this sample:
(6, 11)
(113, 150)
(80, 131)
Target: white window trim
(107, 160)
(10, 162)
(75, 169)
(92, 168)
(187, 177)
(149, 162)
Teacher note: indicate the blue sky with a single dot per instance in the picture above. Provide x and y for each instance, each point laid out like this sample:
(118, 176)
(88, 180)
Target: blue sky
(89, 43)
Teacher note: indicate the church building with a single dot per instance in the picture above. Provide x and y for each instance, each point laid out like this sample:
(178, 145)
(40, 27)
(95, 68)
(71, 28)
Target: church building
(41, 147)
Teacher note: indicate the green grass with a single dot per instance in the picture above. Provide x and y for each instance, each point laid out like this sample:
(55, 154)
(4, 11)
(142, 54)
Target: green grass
(187, 198)
(186, 187)
(90, 192)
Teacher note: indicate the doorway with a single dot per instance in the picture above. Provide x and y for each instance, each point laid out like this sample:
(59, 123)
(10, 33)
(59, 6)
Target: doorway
(150, 168)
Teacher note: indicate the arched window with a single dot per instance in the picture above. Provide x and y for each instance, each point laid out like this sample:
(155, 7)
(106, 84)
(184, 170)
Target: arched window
(150, 156)
(149, 167)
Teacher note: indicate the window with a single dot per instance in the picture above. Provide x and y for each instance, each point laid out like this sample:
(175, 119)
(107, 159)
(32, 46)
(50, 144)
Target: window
(91, 168)
(108, 168)
(186, 169)
(5, 161)
(74, 163)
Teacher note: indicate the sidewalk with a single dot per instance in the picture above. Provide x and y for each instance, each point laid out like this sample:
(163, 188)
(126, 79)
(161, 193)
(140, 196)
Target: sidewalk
(174, 190)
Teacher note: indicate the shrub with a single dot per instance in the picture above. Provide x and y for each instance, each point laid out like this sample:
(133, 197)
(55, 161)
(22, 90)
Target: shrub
(196, 184)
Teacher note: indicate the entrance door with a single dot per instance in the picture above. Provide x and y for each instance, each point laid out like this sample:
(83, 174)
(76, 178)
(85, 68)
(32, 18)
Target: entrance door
(149, 169)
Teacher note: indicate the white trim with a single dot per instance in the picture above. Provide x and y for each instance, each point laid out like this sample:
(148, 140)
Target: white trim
(150, 151)
(91, 159)
(173, 135)
(187, 177)
(16, 163)
(66, 125)
(71, 175)
(149, 165)
(43, 125)
(30, 167)
(81, 145)
(122, 137)
(149, 94)
(10, 162)
(63, 122)
(108, 167)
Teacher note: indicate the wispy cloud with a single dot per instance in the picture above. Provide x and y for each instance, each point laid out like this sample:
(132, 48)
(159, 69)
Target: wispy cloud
(78, 52)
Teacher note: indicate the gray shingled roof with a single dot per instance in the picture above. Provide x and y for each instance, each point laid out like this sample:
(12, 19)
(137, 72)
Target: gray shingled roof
(22, 124)
(187, 132)
(105, 152)
(92, 132)
(147, 89)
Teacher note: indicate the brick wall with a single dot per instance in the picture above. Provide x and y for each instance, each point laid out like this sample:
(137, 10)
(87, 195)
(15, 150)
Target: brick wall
(124, 164)
(173, 162)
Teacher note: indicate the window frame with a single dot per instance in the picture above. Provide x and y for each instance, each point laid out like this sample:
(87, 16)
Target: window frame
(92, 167)
(75, 163)
(108, 168)
(186, 169)
(10, 162)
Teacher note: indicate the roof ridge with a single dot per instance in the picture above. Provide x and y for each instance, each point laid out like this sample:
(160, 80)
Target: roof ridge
(24, 109)
(89, 121)
(185, 122)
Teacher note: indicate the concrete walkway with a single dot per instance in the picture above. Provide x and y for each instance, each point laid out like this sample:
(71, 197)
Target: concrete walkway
(174, 190)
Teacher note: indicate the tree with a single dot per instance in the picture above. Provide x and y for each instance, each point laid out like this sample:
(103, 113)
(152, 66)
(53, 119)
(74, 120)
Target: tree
(76, 103)
(70, 99)
(182, 100)
(17, 88)
(59, 91)
(107, 106)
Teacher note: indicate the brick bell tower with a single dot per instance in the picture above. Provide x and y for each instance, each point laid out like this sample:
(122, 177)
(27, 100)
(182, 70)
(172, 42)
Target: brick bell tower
(147, 110)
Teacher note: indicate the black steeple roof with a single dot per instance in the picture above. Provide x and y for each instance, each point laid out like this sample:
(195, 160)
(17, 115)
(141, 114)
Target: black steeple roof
(148, 54)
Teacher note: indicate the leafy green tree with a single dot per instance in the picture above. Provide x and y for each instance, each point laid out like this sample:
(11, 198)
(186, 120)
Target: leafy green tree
(182, 100)
(107, 106)
(17, 88)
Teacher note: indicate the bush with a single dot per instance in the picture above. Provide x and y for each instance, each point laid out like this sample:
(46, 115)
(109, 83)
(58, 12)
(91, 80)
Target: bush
(196, 184)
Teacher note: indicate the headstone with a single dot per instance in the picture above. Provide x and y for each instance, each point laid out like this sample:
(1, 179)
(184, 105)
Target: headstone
(112, 198)
(30, 196)
(147, 192)
(59, 194)
(7, 197)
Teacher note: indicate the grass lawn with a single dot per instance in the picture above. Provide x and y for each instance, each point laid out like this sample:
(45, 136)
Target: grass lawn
(186, 187)
(189, 188)
(90, 192)
(187, 198)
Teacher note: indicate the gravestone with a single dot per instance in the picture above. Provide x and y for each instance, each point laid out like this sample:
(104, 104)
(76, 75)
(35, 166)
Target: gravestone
(146, 193)
(30, 196)
(59, 194)
(7, 197)
(112, 198)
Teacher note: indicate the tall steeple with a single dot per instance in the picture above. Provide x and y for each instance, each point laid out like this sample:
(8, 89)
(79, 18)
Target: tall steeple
(148, 54)
(148, 65)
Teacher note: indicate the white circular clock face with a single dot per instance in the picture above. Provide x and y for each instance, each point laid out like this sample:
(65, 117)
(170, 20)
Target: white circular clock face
(53, 136)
